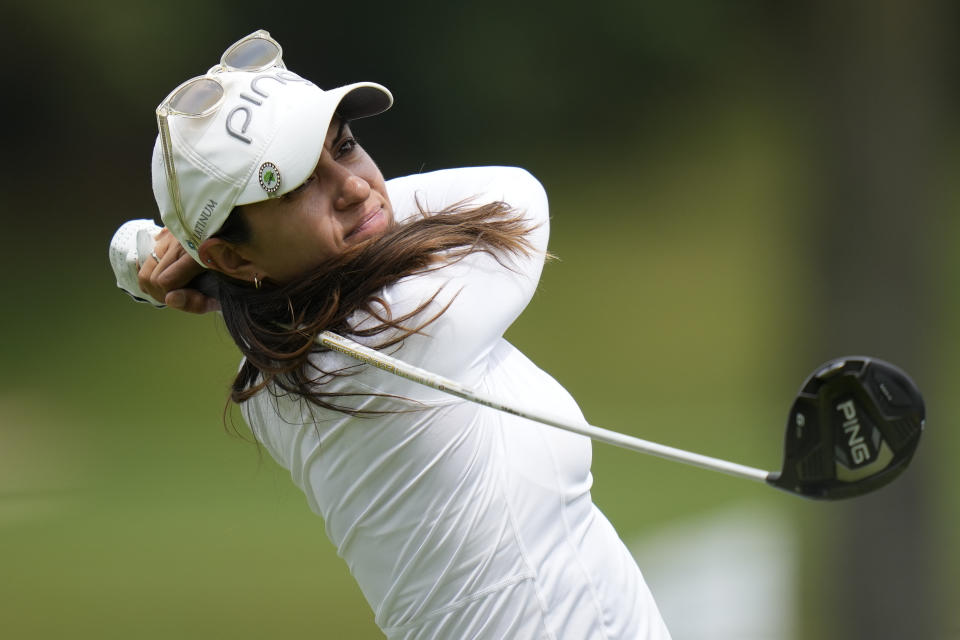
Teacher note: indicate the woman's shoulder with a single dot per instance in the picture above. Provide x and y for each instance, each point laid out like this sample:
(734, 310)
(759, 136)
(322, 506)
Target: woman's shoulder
(438, 190)
(478, 176)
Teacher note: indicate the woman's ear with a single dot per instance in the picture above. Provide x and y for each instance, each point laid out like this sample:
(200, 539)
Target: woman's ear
(220, 255)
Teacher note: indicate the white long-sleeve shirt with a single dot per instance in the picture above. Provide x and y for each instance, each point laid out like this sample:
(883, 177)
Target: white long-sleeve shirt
(456, 520)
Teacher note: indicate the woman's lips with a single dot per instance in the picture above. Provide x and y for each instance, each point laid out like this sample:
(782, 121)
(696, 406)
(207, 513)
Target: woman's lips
(368, 224)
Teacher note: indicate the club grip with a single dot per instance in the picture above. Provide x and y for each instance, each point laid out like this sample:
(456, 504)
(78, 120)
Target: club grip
(206, 283)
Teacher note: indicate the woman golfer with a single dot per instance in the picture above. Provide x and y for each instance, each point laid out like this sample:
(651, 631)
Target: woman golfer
(456, 520)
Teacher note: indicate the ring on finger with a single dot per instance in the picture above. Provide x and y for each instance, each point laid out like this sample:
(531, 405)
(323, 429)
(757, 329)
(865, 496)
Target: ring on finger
(153, 254)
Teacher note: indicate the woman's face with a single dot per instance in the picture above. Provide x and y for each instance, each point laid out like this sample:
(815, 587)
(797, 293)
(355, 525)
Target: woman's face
(341, 204)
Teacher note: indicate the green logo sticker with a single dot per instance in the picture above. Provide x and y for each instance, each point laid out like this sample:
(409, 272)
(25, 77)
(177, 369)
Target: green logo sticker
(269, 177)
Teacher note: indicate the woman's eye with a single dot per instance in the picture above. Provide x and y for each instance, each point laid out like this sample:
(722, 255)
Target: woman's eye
(347, 146)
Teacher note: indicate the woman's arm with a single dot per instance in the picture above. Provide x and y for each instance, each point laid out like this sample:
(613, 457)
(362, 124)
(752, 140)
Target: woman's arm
(165, 281)
(484, 296)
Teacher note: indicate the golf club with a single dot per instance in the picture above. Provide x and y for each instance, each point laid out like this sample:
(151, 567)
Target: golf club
(852, 428)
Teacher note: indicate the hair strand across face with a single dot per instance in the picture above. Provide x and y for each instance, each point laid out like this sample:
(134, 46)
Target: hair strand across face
(276, 326)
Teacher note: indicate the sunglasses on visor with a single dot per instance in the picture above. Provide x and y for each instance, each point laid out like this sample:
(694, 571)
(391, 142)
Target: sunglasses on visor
(201, 96)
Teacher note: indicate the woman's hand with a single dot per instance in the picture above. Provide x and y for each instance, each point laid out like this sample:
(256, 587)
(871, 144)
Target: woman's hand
(166, 272)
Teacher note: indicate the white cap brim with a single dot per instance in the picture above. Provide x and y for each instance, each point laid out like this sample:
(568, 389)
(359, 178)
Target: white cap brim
(296, 147)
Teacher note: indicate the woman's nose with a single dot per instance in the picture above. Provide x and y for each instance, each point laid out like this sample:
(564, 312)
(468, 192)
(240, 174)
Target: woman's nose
(353, 190)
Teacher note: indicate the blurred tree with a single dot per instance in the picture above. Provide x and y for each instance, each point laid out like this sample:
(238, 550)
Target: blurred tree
(875, 78)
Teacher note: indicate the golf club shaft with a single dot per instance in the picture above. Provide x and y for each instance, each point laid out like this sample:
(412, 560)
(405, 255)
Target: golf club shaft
(434, 381)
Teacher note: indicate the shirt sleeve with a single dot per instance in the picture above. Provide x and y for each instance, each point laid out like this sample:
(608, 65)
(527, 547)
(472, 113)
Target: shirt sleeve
(481, 294)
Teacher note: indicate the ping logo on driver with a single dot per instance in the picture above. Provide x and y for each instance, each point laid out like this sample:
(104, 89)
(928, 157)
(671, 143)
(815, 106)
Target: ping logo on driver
(858, 447)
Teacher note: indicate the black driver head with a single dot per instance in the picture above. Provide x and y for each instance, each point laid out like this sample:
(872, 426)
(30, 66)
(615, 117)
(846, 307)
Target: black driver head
(853, 428)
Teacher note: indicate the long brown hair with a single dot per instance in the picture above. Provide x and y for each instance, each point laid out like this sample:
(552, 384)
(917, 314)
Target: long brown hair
(276, 326)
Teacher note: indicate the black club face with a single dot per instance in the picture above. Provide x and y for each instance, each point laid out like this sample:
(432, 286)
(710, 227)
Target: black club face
(852, 429)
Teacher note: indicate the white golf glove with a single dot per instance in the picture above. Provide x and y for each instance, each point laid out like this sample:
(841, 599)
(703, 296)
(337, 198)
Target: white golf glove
(133, 239)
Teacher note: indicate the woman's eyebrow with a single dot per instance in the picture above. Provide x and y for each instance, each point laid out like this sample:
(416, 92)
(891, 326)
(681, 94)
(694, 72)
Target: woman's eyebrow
(343, 125)
(336, 138)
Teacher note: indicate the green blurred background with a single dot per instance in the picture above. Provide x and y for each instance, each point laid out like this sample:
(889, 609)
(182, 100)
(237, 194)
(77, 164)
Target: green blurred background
(739, 192)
